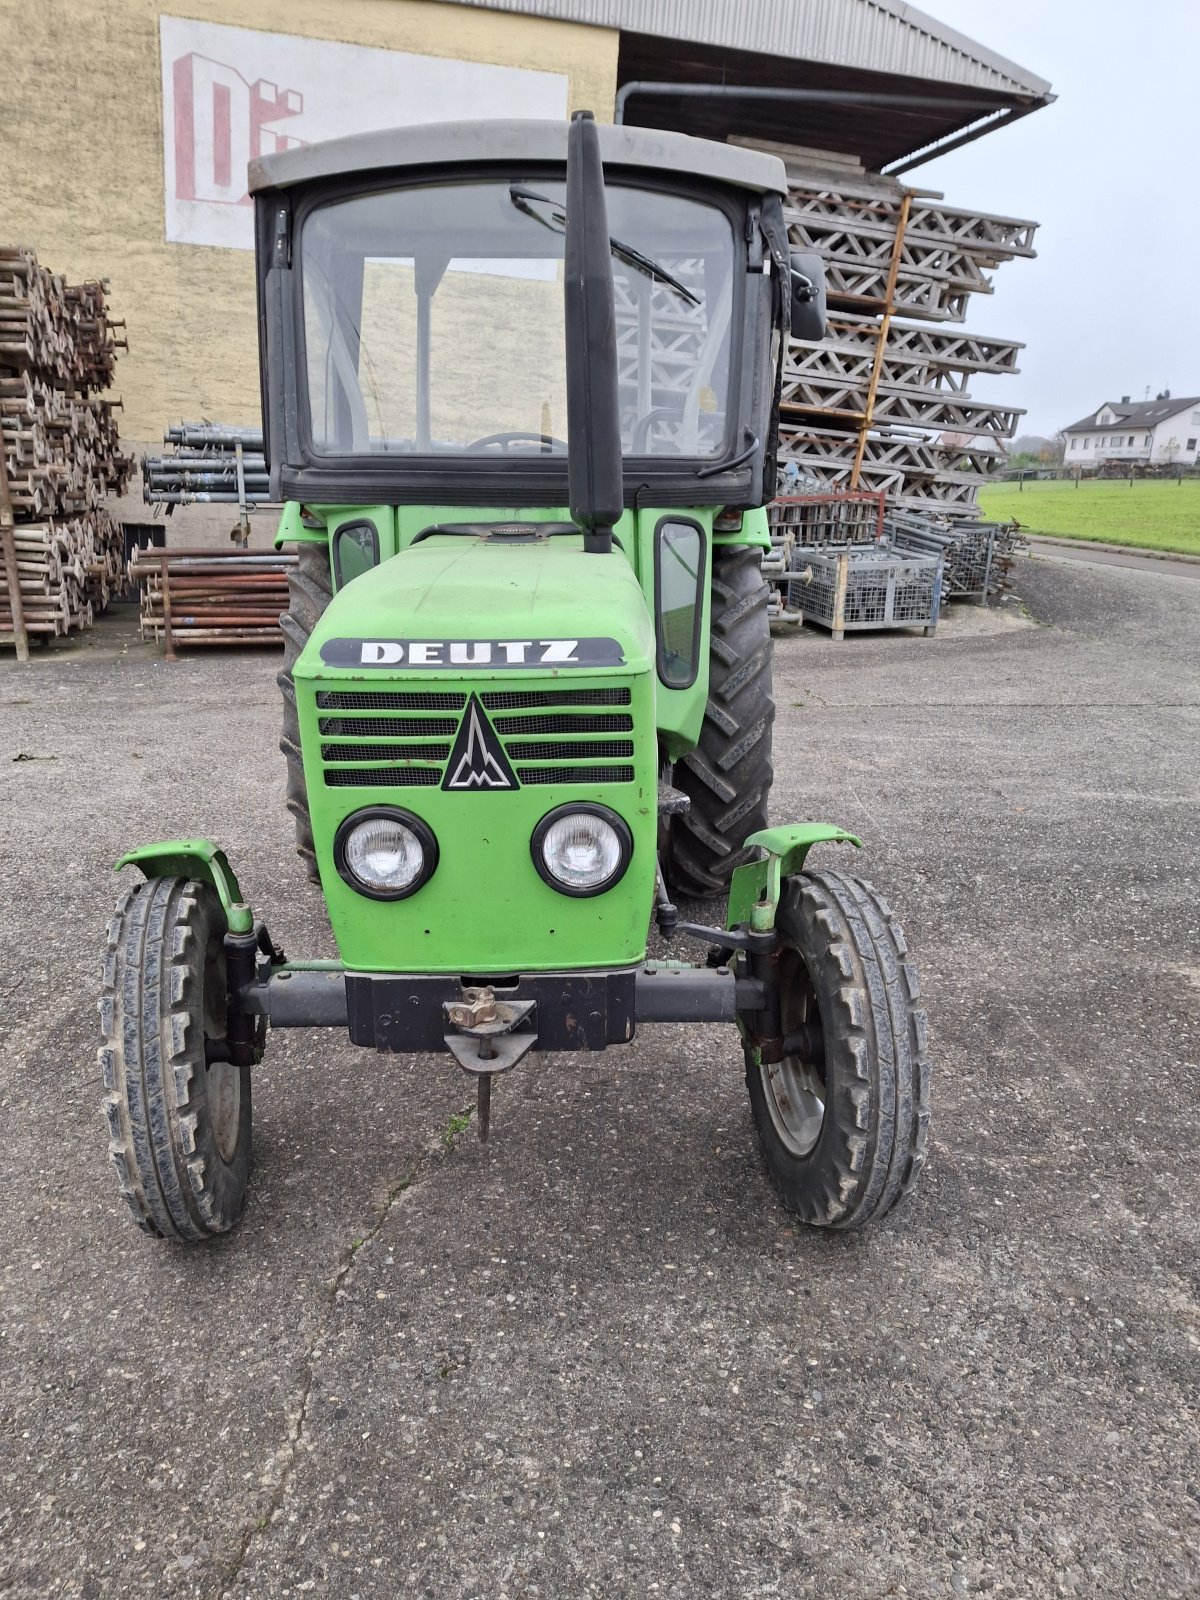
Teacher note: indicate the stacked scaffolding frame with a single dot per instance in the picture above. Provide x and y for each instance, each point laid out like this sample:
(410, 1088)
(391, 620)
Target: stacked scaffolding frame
(883, 403)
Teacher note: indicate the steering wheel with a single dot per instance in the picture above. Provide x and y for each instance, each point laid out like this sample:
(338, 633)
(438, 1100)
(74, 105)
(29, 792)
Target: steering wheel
(547, 440)
(641, 433)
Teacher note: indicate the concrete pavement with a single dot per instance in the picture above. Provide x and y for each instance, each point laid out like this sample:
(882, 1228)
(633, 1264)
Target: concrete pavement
(1112, 555)
(596, 1357)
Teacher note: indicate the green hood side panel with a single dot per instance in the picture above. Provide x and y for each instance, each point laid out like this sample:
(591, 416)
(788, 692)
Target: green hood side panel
(485, 909)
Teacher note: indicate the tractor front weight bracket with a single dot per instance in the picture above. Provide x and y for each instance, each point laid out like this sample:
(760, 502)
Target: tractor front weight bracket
(563, 1011)
(486, 1028)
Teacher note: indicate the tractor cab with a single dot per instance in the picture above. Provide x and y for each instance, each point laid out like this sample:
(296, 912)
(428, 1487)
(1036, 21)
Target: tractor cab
(414, 300)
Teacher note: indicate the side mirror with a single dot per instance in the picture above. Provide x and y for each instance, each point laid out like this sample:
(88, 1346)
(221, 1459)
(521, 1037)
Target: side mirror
(808, 296)
(355, 550)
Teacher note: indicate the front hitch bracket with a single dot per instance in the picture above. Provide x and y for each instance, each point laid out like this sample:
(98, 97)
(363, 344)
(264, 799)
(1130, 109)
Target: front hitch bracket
(483, 1039)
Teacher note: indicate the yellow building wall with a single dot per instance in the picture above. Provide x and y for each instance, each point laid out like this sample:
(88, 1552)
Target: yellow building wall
(81, 173)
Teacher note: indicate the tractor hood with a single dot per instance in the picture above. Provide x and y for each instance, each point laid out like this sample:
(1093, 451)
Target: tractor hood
(455, 604)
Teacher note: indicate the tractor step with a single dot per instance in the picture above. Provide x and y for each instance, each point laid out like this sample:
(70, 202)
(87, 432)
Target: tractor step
(672, 802)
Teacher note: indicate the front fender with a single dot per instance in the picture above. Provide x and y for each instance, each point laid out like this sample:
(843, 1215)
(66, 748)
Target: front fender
(195, 858)
(754, 888)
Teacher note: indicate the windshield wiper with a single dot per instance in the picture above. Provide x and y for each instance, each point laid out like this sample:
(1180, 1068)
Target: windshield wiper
(633, 257)
(629, 254)
(520, 197)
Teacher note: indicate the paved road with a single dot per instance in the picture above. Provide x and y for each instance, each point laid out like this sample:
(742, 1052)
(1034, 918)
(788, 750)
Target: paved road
(596, 1357)
(1109, 556)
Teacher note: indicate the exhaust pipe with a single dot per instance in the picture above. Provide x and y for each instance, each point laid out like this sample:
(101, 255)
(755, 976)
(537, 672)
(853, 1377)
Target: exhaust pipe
(594, 471)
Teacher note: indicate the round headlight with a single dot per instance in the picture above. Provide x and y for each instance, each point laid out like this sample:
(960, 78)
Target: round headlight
(385, 853)
(581, 850)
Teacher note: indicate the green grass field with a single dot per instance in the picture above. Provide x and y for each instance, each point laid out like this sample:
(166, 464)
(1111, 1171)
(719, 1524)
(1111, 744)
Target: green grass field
(1155, 514)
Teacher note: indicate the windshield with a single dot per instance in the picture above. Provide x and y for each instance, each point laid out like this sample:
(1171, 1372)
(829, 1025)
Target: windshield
(433, 320)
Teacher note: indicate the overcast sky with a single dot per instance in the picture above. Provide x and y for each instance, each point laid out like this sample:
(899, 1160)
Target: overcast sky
(1111, 171)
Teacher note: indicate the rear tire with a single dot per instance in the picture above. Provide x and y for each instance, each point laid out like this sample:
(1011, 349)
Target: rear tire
(727, 777)
(844, 1128)
(310, 589)
(178, 1128)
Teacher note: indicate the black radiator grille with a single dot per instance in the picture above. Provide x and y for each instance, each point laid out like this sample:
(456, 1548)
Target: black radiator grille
(615, 723)
(385, 752)
(544, 732)
(532, 775)
(382, 777)
(390, 727)
(387, 700)
(577, 749)
(515, 699)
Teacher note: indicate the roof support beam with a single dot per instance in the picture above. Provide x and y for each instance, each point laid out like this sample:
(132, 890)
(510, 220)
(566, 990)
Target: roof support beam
(847, 97)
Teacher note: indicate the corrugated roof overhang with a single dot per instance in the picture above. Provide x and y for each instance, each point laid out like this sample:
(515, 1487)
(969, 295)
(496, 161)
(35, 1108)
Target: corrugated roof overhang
(904, 81)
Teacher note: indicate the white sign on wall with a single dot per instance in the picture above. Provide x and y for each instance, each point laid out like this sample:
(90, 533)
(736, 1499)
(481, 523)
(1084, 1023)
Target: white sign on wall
(230, 94)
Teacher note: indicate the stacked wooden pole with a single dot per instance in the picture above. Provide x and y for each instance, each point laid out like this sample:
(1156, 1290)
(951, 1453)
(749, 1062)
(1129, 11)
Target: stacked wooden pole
(68, 569)
(59, 446)
(197, 596)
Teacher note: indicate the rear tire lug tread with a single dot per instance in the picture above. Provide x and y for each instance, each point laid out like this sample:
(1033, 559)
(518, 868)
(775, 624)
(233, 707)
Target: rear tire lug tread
(310, 589)
(728, 775)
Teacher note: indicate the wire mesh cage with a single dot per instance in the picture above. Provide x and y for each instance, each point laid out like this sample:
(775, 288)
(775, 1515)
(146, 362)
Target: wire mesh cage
(859, 590)
(973, 559)
(978, 556)
(839, 517)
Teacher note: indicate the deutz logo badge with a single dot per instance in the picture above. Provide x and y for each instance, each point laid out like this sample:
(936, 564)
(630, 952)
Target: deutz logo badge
(487, 653)
(477, 760)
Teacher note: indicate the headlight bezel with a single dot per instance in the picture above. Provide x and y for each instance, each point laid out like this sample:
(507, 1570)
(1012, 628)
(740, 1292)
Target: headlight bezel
(586, 808)
(417, 826)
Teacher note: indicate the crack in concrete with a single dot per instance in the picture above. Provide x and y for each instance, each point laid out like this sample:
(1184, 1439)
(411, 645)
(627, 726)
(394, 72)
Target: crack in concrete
(438, 1151)
(997, 705)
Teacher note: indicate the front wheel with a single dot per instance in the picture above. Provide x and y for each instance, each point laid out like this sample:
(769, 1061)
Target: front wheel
(843, 1119)
(178, 1116)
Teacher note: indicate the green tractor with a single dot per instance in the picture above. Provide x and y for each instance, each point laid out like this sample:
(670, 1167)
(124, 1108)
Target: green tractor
(520, 390)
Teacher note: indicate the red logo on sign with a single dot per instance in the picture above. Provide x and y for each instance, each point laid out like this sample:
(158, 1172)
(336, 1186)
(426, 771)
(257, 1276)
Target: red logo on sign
(221, 124)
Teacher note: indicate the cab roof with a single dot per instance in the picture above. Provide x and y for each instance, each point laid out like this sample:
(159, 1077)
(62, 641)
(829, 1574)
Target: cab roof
(435, 144)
